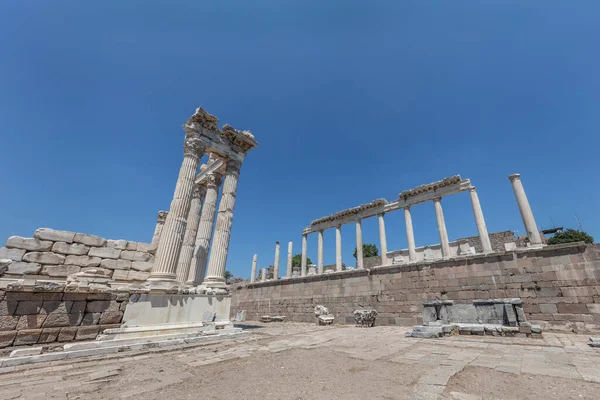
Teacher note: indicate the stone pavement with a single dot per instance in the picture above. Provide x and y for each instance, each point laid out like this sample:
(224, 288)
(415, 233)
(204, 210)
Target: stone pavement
(431, 367)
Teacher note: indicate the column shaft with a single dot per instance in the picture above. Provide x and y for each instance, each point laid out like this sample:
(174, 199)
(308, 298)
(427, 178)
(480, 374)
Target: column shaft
(320, 253)
(160, 223)
(359, 245)
(187, 247)
(382, 240)
(441, 224)
(410, 235)
(525, 209)
(253, 273)
(480, 221)
(276, 262)
(338, 248)
(263, 274)
(289, 260)
(303, 271)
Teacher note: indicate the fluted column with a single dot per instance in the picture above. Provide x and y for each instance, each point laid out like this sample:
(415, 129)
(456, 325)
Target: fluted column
(253, 274)
(289, 260)
(382, 240)
(165, 264)
(479, 221)
(205, 231)
(160, 223)
(526, 214)
(220, 246)
(410, 235)
(338, 248)
(441, 224)
(303, 271)
(187, 248)
(320, 253)
(359, 245)
(276, 262)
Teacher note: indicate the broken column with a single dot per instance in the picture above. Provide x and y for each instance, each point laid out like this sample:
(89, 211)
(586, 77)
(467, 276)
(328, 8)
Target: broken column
(276, 262)
(289, 260)
(253, 273)
(526, 214)
(160, 223)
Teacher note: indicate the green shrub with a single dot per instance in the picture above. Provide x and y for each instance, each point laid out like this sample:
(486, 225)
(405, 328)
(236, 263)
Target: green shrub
(570, 236)
(369, 250)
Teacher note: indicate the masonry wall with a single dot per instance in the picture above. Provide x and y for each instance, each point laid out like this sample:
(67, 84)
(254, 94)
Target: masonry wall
(560, 287)
(53, 254)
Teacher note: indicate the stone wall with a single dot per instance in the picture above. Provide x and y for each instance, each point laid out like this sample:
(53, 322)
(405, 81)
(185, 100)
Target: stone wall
(53, 254)
(559, 285)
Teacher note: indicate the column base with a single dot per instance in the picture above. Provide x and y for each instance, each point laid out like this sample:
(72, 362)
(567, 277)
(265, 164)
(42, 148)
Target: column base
(162, 281)
(214, 282)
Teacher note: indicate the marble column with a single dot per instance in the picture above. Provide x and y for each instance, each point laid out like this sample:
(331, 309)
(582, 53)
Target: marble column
(480, 221)
(526, 214)
(263, 275)
(191, 228)
(220, 245)
(160, 223)
(382, 240)
(165, 265)
(441, 224)
(289, 260)
(320, 253)
(205, 231)
(410, 235)
(253, 273)
(303, 271)
(276, 262)
(338, 248)
(359, 245)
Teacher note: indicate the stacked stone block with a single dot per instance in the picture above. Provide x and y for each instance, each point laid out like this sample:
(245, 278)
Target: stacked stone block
(57, 254)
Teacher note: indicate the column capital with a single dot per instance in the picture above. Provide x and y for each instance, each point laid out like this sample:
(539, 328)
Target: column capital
(162, 216)
(338, 226)
(233, 166)
(472, 188)
(199, 191)
(193, 146)
(514, 177)
(437, 199)
(213, 180)
(407, 208)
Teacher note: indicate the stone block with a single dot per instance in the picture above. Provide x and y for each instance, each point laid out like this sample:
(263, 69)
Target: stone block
(83, 261)
(510, 317)
(80, 297)
(77, 249)
(31, 321)
(120, 275)
(8, 322)
(111, 317)
(58, 320)
(90, 240)
(105, 252)
(117, 244)
(572, 308)
(91, 319)
(78, 306)
(23, 268)
(98, 306)
(12, 254)
(7, 338)
(147, 248)
(54, 235)
(49, 335)
(116, 264)
(135, 255)
(29, 307)
(144, 266)
(60, 270)
(56, 307)
(548, 309)
(593, 308)
(137, 275)
(87, 332)
(27, 336)
(131, 246)
(44, 257)
(30, 244)
(67, 334)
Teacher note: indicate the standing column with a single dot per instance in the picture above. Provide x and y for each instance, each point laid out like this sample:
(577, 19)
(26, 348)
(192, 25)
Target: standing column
(526, 214)
(263, 274)
(382, 240)
(320, 253)
(276, 262)
(441, 224)
(410, 235)
(338, 248)
(359, 245)
(160, 223)
(304, 250)
(253, 274)
(187, 248)
(220, 246)
(205, 230)
(289, 260)
(165, 264)
(481, 228)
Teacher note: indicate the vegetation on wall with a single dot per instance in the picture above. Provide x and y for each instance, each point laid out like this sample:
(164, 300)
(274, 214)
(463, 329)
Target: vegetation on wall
(369, 250)
(570, 236)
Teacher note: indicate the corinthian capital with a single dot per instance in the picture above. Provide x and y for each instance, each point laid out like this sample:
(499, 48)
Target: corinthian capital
(193, 146)
(213, 179)
(233, 166)
(199, 191)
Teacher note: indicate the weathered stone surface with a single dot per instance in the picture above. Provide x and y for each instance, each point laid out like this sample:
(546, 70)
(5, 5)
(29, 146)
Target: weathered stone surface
(28, 307)
(117, 244)
(56, 307)
(7, 338)
(67, 334)
(111, 317)
(116, 264)
(98, 306)
(31, 321)
(58, 320)
(31, 244)
(136, 256)
(8, 322)
(90, 240)
(54, 235)
(87, 332)
(12, 254)
(49, 335)
(365, 318)
(144, 266)
(132, 246)
(77, 249)
(22, 268)
(104, 252)
(147, 248)
(120, 275)
(91, 318)
(78, 306)
(27, 336)
(83, 261)
(44, 258)
(60, 270)
(137, 275)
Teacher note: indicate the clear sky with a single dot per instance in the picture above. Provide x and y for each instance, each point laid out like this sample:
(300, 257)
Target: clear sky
(349, 100)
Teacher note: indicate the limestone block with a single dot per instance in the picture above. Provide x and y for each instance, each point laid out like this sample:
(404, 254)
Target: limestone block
(97, 270)
(510, 317)
(49, 335)
(56, 307)
(111, 317)
(120, 275)
(137, 275)
(28, 307)
(89, 240)
(54, 235)
(87, 332)
(44, 257)
(8, 306)
(31, 321)
(142, 266)
(116, 264)
(83, 261)
(132, 246)
(8, 322)
(135, 256)
(27, 336)
(78, 306)
(429, 314)
(58, 320)
(67, 334)
(7, 338)
(105, 252)
(12, 254)
(98, 306)
(91, 318)
(31, 244)
(22, 268)
(510, 246)
(147, 248)
(117, 244)
(77, 249)
(60, 270)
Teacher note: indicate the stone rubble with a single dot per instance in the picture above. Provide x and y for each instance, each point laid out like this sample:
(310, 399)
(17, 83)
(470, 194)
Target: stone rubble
(365, 318)
(323, 315)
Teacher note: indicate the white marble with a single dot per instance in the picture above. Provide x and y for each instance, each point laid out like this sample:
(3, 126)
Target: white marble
(289, 260)
(410, 235)
(276, 262)
(480, 221)
(253, 273)
(359, 245)
(382, 239)
(441, 225)
(526, 214)
(338, 248)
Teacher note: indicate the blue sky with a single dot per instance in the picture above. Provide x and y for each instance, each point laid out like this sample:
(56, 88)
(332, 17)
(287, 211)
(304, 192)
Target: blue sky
(349, 100)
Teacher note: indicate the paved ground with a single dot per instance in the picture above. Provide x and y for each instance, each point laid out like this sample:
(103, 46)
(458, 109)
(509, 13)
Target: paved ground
(301, 361)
